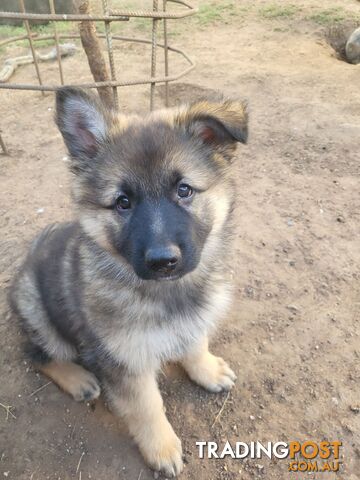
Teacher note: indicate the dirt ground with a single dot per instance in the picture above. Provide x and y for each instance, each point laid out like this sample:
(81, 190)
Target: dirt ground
(293, 332)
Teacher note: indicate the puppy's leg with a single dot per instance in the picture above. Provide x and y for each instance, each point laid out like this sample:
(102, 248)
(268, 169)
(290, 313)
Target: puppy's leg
(72, 378)
(137, 399)
(208, 371)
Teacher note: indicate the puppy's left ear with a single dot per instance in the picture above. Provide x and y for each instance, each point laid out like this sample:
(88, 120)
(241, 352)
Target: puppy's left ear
(218, 124)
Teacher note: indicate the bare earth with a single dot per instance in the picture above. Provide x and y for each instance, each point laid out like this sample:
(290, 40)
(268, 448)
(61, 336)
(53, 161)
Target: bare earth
(292, 335)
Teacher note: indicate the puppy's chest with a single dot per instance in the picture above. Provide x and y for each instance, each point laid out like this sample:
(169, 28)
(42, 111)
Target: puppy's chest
(148, 332)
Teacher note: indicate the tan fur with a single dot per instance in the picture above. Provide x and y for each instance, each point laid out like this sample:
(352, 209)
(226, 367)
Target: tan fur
(143, 411)
(95, 223)
(230, 112)
(73, 379)
(208, 371)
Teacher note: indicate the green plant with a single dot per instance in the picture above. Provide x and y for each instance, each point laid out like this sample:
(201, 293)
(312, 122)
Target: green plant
(212, 12)
(328, 16)
(276, 11)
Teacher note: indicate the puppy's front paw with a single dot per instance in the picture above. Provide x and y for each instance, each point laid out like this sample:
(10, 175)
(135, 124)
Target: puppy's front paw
(163, 452)
(86, 388)
(74, 379)
(212, 373)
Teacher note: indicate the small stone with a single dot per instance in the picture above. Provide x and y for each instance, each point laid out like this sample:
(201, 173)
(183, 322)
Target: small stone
(249, 291)
(340, 219)
(335, 401)
(352, 48)
(40, 210)
(252, 417)
(290, 222)
(292, 308)
(355, 408)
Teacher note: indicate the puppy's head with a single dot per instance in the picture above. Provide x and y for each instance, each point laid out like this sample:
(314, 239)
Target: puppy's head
(154, 190)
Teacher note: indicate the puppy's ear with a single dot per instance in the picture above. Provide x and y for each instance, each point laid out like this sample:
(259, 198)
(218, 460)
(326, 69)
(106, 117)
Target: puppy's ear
(219, 124)
(82, 121)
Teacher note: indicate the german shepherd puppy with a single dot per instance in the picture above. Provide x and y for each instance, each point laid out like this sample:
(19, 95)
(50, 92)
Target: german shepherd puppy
(139, 278)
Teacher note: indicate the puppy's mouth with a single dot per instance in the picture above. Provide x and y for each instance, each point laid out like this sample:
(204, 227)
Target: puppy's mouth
(168, 277)
(162, 277)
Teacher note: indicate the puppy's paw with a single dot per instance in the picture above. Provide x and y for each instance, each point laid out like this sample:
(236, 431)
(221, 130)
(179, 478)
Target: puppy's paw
(211, 373)
(87, 389)
(81, 384)
(164, 452)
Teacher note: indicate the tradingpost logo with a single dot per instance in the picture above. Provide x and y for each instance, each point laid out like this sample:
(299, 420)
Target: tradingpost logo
(306, 456)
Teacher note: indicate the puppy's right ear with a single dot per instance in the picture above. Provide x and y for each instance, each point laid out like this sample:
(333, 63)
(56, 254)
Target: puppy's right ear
(82, 121)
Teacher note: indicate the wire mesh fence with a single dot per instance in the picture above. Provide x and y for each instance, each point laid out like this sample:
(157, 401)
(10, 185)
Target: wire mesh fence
(160, 13)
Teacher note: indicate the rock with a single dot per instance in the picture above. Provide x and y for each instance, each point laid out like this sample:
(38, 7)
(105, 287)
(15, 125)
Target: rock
(293, 308)
(352, 48)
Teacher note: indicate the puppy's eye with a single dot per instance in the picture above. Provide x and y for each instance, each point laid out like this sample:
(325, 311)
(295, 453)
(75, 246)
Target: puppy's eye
(184, 190)
(123, 203)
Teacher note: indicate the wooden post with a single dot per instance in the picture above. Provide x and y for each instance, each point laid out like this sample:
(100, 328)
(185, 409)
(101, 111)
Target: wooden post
(91, 45)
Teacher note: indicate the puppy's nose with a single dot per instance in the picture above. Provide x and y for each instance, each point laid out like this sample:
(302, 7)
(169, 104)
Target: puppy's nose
(162, 259)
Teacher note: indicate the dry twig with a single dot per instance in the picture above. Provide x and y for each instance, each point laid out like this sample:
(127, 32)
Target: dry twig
(78, 465)
(8, 410)
(39, 389)
(221, 409)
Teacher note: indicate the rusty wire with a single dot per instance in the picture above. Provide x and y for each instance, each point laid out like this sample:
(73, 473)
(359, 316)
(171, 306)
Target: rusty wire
(110, 52)
(166, 57)
(28, 31)
(155, 22)
(56, 37)
(107, 17)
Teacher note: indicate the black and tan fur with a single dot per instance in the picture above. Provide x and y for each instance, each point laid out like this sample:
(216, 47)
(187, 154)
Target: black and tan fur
(106, 299)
